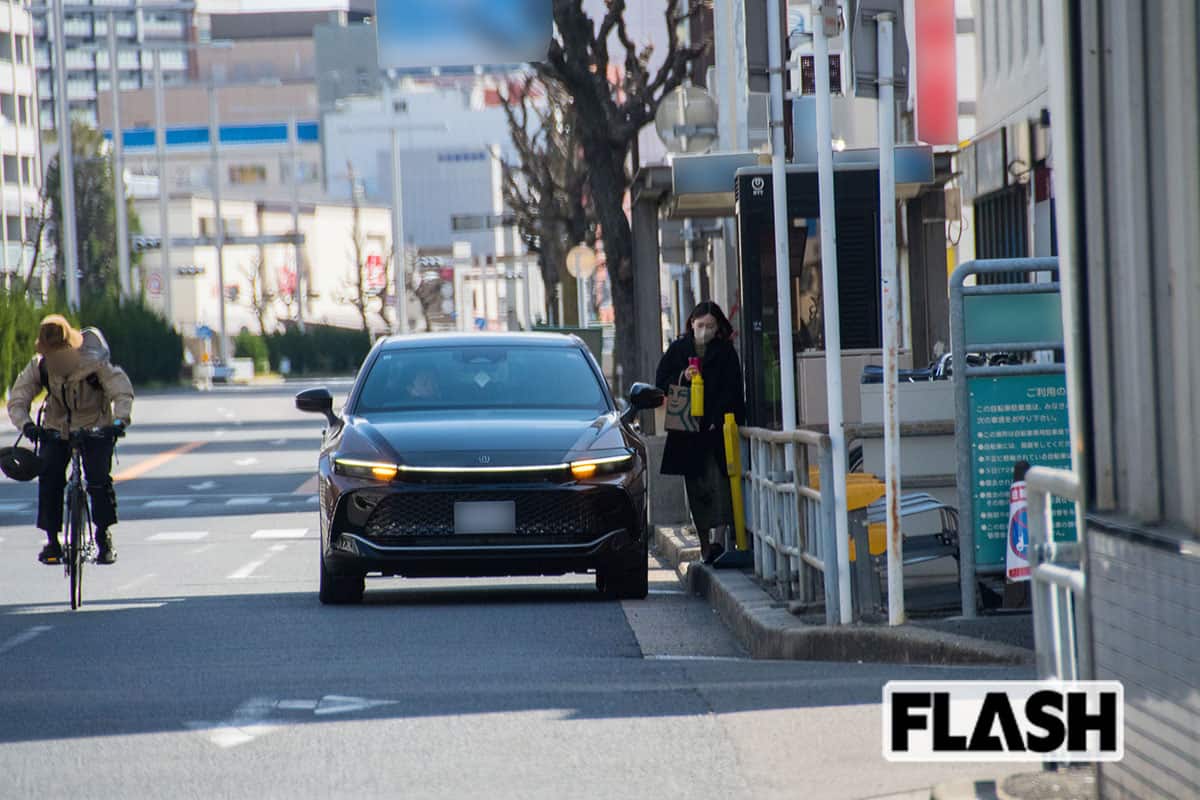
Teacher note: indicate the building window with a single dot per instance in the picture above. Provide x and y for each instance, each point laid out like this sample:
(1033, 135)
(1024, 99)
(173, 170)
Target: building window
(1037, 21)
(247, 174)
(12, 229)
(6, 48)
(22, 48)
(27, 170)
(8, 107)
(208, 226)
(1025, 23)
(12, 172)
(23, 105)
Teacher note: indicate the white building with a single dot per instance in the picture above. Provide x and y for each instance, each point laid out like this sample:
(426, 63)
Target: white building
(20, 163)
(451, 142)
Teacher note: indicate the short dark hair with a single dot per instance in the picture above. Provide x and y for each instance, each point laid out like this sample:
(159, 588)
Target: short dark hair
(707, 308)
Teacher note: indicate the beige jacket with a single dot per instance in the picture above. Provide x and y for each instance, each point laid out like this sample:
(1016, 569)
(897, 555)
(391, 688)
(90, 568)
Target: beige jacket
(71, 402)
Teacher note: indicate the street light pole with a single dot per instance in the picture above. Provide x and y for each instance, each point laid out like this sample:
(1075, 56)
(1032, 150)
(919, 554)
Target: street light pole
(294, 174)
(782, 221)
(66, 163)
(214, 134)
(160, 152)
(122, 213)
(891, 318)
(399, 268)
(829, 285)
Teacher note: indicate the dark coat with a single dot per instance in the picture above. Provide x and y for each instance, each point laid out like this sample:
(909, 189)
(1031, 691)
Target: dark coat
(724, 392)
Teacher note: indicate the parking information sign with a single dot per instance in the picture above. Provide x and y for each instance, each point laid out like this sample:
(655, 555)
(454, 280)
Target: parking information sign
(1015, 418)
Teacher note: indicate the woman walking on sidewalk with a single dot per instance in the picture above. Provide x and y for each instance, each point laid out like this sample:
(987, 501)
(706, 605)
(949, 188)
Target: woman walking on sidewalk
(695, 446)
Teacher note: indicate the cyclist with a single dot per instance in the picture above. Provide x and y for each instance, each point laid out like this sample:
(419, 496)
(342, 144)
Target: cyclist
(84, 391)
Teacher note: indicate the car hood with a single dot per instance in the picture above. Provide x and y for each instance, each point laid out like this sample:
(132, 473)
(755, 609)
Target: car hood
(495, 439)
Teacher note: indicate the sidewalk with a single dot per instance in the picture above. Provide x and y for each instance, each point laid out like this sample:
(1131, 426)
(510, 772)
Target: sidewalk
(767, 629)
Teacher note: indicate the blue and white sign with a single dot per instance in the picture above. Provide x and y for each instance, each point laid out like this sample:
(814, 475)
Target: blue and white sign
(456, 33)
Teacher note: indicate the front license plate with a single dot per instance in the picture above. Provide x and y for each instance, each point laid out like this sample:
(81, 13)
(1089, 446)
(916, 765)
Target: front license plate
(491, 517)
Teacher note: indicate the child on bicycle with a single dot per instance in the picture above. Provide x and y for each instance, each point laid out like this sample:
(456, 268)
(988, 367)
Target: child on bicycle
(84, 391)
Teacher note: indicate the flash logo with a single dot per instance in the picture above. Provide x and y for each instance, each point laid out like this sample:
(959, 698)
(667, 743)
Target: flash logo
(1003, 721)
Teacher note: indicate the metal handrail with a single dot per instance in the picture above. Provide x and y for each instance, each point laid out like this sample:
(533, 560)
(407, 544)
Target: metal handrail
(792, 523)
(1061, 627)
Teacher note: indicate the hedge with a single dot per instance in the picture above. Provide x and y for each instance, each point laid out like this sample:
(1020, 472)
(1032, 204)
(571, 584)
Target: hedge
(320, 350)
(19, 318)
(141, 340)
(249, 345)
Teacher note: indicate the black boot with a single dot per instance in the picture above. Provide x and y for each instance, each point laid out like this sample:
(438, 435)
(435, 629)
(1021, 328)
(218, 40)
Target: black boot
(105, 553)
(52, 553)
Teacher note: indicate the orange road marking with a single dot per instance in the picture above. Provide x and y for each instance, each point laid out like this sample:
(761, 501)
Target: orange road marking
(154, 462)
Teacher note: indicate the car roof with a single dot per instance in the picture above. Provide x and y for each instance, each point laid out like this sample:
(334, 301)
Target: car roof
(422, 340)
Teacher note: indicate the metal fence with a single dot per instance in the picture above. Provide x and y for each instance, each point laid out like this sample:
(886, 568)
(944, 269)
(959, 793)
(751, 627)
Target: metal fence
(791, 521)
(1061, 629)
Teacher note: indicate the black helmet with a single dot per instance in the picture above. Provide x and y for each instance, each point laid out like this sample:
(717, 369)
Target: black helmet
(20, 463)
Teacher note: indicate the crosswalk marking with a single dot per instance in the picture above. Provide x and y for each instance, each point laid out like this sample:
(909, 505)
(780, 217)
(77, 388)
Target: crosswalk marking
(178, 536)
(283, 533)
(13, 506)
(180, 503)
(257, 500)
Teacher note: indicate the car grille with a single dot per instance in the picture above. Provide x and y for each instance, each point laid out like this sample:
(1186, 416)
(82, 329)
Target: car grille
(541, 514)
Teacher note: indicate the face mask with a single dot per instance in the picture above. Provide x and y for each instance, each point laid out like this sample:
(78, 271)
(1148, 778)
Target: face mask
(703, 335)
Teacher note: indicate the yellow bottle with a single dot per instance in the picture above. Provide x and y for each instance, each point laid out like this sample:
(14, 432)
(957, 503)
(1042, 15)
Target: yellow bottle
(697, 389)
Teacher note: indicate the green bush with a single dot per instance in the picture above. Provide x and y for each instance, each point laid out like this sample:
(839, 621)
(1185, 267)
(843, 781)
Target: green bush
(253, 346)
(320, 350)
(141, 340)
(19, 318)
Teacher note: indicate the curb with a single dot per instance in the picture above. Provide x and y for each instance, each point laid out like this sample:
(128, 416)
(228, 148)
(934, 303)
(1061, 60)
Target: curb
(768, 631)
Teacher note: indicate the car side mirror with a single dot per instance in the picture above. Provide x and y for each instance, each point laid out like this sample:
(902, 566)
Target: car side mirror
(643, 396)
(317, 401)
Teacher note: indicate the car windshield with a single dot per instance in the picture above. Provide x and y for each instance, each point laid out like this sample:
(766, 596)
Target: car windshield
(481, 377)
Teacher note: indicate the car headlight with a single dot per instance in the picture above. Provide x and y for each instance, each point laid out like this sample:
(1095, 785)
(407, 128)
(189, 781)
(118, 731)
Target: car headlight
(367, 470)
(591, 467)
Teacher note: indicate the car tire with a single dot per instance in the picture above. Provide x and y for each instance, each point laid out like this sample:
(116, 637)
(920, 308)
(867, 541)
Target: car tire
(340, 590)
(628, 579)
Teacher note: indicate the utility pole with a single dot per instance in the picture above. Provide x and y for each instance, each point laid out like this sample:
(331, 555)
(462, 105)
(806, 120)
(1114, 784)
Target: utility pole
(119, 200)
(294, 176)
(399, 268)
(214, 135)
(69, 240)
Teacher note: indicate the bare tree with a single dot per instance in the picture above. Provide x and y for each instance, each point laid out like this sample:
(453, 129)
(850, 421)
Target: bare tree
(614, 97)
(546, 186)
(261, 297)
(359, 298)
(36, 239)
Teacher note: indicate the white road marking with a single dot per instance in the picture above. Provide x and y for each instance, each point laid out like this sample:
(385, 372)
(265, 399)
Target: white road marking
(246, 462)
(167, 503)
(199, 550)
(257, 500)
(297, 705)
(13, 506)
(248, 570)
(245, 725)
(178, 536)
(283, 533)
(88, 607)
(694, 658)
(279, 442)
(202, 487)
(313, 499)
(668, 591)
(337, 704)
(23, 637)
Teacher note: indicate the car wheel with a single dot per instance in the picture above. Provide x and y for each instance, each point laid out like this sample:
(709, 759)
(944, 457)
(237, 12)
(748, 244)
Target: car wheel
(628, 579)
(340, 590)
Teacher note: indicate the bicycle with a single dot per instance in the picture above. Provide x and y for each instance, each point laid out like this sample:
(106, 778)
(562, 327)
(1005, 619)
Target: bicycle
(79, 545)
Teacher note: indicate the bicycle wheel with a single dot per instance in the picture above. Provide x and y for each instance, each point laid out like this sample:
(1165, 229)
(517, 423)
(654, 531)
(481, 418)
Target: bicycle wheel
(76, 545)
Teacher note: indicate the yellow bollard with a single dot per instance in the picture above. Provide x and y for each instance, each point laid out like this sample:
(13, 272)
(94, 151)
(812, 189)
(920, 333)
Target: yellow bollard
(733, 468)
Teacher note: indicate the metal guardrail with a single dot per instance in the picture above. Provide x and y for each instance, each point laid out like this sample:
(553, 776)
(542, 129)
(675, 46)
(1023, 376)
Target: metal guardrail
(1061, 625)
(792, 523)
